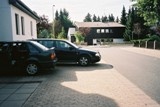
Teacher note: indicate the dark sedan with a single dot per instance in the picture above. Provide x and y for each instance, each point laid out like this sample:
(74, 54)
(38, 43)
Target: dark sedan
(29, 55)
(69, 52)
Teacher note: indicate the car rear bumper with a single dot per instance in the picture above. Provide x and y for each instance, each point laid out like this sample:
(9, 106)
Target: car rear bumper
(48, 64)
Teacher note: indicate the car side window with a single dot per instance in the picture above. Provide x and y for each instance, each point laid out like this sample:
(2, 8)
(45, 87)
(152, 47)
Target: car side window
(4, 47)
(44, 43)
(32, 49)
(48, 43)
(1, 45)
(62, 44)
(22, 47)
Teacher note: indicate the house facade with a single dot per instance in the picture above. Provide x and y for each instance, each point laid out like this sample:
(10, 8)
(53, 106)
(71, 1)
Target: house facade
(70, 35)
(17, 21)
(99, 32)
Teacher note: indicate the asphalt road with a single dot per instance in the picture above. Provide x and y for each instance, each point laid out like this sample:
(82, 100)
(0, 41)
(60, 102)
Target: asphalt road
(141, 70)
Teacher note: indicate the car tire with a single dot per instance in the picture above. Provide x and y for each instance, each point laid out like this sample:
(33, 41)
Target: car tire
(84, 60)
(31, 68)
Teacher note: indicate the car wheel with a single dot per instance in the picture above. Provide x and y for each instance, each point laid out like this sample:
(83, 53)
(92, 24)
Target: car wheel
(32, 68)
(84, 60)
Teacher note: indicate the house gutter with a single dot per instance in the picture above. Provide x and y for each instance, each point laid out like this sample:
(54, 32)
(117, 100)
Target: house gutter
(20, 5)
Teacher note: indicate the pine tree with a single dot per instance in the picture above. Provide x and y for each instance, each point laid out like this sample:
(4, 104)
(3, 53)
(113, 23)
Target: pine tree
(98, 19)
(62, 21)
(104, 19)
(88, 18)
(94, 18)
(123, 16)
(128, 30)
(117, 19)
(129, 25)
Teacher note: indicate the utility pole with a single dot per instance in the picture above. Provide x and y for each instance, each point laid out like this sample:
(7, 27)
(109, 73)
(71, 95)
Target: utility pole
(53, 19)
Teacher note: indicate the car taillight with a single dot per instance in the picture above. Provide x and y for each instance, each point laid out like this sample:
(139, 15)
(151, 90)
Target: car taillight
(53, 56)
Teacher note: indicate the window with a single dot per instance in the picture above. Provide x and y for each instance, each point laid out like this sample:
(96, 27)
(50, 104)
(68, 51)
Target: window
(111, 31)
(22, 25)
(22, 47)
(17, 24)
(102, 30)
(48, 44)
(4, 47)
(107, 30)
(61, 44)
(98, 30)
(31, 24)
(32, 48)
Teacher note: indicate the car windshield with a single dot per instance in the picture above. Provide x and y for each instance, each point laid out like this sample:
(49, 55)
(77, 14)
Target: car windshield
(40, 45)
(73, 44)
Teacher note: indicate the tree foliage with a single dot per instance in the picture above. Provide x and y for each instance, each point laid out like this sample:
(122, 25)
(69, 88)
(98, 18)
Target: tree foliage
(111, 18)
(84, 31)
(134, 25)
(62, 20)
(123, 16)
(44, 34)
(128, 30)
(88, 18)
(104, 19)
(95, 19)
(117, 20)
(44, 26)
(149, 10)
(79, 37)
(62, 34)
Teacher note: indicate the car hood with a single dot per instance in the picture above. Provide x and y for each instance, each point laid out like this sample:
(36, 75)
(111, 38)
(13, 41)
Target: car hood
(87, 50)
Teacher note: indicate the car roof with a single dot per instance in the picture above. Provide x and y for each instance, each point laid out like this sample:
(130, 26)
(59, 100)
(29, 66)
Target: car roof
(48, 39)
(17, 41)
(12, 41)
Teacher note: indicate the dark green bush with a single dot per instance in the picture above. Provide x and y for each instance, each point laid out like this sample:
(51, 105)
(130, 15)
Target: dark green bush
(153, 38)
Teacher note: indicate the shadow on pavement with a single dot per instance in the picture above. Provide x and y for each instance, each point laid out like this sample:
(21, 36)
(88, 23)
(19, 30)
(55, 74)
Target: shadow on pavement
(67, 71)
(55, 95)
(91, 67)
(52, 92)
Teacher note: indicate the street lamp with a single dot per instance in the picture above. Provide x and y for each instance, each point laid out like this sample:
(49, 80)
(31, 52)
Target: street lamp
(53, 19)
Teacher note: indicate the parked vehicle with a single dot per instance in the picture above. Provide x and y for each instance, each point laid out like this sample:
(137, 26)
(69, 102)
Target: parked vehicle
(28, 55)
(69, 52)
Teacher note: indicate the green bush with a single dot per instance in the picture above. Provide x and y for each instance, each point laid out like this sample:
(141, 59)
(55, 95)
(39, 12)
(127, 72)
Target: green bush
(43, 34)
(62, 34)
(154, 37)
(79, 37)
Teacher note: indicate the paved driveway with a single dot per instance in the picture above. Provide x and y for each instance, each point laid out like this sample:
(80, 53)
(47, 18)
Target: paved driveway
(98, 85)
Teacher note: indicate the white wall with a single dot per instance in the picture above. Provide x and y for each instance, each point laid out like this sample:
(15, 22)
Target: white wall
(71, 32)
(8, 26)
(27, 25)
(5, 21)
(118, 40)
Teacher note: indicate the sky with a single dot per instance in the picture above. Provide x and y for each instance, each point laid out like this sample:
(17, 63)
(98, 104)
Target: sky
(78, 9)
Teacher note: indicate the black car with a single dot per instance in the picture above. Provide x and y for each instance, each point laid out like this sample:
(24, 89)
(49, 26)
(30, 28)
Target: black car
(69, 52)
(28, 55)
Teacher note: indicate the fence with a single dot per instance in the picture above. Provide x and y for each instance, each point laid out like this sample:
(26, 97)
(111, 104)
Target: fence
(148, 44)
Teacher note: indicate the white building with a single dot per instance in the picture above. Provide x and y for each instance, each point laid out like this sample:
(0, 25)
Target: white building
(70, 34)
(17, 21)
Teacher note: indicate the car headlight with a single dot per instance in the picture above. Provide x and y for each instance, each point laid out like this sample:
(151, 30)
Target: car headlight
(97, 54)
